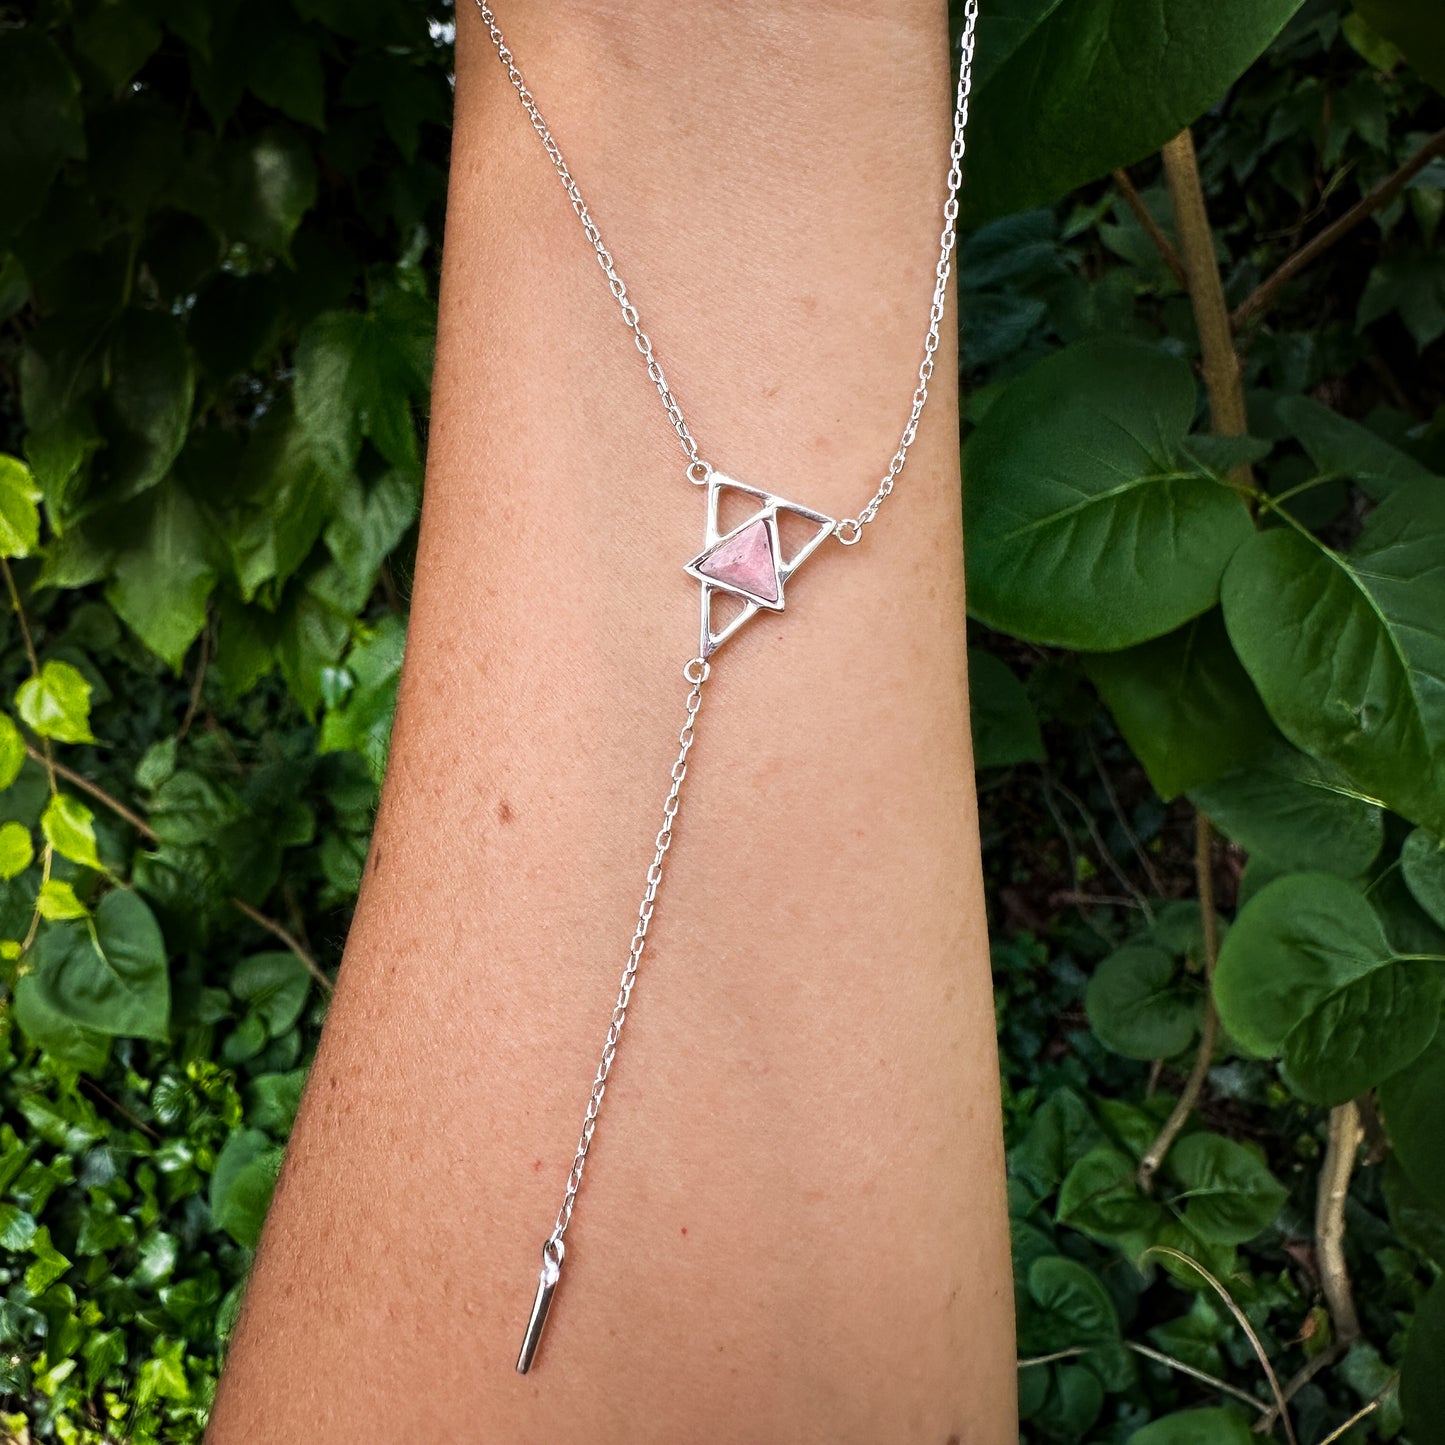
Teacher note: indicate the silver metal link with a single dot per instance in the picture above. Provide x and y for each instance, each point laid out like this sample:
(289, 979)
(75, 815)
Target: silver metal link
(696, 672)
(850, 529)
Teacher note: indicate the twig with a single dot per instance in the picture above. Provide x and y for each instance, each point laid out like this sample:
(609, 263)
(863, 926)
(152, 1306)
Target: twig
(202, 663)
(1341, 1148)
(1106, 856)
(1122, 818)
(119, 1108)
(1264, 294)
(1159, 1358)
(1209, 1033)
(1281, 1406)
(1312, 1367)
(1340, 1431)
(94, 790)
(1152, 228)
(1206, 295)
(290, 940)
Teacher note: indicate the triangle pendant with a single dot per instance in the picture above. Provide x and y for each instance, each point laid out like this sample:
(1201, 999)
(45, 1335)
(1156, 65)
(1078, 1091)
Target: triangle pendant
(747, 562)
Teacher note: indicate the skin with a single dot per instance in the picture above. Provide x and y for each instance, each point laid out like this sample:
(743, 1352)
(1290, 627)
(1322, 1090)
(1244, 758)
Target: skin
(792, 1226)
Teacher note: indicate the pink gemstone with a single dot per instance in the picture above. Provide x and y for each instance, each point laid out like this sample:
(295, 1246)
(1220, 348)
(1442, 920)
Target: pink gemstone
(745, 562)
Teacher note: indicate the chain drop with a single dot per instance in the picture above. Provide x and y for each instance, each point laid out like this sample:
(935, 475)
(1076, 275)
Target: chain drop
(850, 529)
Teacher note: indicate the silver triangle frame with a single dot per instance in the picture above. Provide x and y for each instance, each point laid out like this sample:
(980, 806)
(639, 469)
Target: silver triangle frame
(769, 505)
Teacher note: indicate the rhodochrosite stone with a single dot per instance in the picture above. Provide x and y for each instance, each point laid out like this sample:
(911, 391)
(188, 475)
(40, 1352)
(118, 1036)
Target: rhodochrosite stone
(746, 562)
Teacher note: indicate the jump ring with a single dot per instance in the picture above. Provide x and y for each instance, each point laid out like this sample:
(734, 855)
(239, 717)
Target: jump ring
(697, 670)
(849, 531)
(699, 472)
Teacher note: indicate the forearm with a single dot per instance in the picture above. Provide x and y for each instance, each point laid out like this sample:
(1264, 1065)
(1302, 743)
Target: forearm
(792, 1223)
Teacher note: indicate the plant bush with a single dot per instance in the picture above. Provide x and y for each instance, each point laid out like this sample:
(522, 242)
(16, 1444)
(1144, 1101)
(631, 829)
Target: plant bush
(1206, 541)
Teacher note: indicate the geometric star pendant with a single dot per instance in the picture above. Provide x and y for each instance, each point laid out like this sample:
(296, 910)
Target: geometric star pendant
(748, 561)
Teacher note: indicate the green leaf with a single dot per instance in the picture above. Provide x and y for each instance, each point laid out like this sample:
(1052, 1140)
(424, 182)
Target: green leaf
(57, 901)
(275, 985)
(1197, 1427)
(285, 72)
(1085, 525)
(273, 1099)
(242, 1184)
(17, 851)
(1184, 704)
(117, 38)
(1411, 287)
(367, 525)
(1419, 31)
(48, 1266)
(1342, 448)
(162, 580)
(1058, 98)
(69, 828)
(289, 497)
(56, 703)
(1422, 1381)
(12, 751)
(1228, 1193)
(1005, 725)
(1138, 1007)
(151, 395)
(1307, 973)
(1422, 861)
(1100, 1197)
(19, 516)
(356, 374)
(40, 122)
(1347, 651)
(1077, 1304)
(1410, 1101)
(1295, 812)
(271, 184)
(363, 723)
(1061, 1132)
(61, 1037)
(108, 974)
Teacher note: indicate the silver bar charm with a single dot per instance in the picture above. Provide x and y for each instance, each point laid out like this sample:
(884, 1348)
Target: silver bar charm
(551, 1272)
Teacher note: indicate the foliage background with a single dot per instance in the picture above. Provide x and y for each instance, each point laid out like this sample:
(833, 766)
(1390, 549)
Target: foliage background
(1212, 830)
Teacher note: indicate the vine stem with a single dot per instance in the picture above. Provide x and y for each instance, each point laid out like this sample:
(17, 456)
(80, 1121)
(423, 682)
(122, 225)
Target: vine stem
(1159, 1358)
(1152, 228)
(1341, 1149)
(1264, 294)
(1209, 1032)
(1206, 294)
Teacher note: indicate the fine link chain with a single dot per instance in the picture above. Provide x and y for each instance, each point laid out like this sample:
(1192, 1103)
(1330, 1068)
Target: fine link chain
(850, 529)
(696, 672)
(615, 283)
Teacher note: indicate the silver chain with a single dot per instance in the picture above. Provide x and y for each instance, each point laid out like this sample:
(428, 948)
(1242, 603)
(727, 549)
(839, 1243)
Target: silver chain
(696, 672)
(850, 529)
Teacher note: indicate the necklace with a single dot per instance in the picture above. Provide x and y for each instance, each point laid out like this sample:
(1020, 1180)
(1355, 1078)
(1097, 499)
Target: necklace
(746, 564)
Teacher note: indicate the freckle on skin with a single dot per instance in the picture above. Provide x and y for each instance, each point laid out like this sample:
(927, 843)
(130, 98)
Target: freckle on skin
(504, 811)
(684, 1229)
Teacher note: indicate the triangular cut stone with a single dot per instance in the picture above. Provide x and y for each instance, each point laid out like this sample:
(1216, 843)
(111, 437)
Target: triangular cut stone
(745, 562)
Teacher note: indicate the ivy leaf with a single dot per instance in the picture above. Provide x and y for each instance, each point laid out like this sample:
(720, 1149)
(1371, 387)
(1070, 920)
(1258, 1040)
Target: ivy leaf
(275, 985)
(1418, 30)
(1229, 1194)
(151, 396)
(17, 851)
(1347, 651)
(1296, 813)
(117, 38)
(1076, 1303)
(56, 703)
(108, 974)
(356, 374)
(1038, 128)
(12, 751)
(1422, 861)
(1137, 1007)
(271, 184)
(40, 123)
(19, 516)
(1184, 704)
(1005, 725)
(1342, 448)
(285, 72)
(363, 722)
(69, 828)
(1197, 1427)
(57, 901)
(367, 525)
(1100, 1197)
(242, 1184)
(163, 578)
(1085, 525)
(1307, 973)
